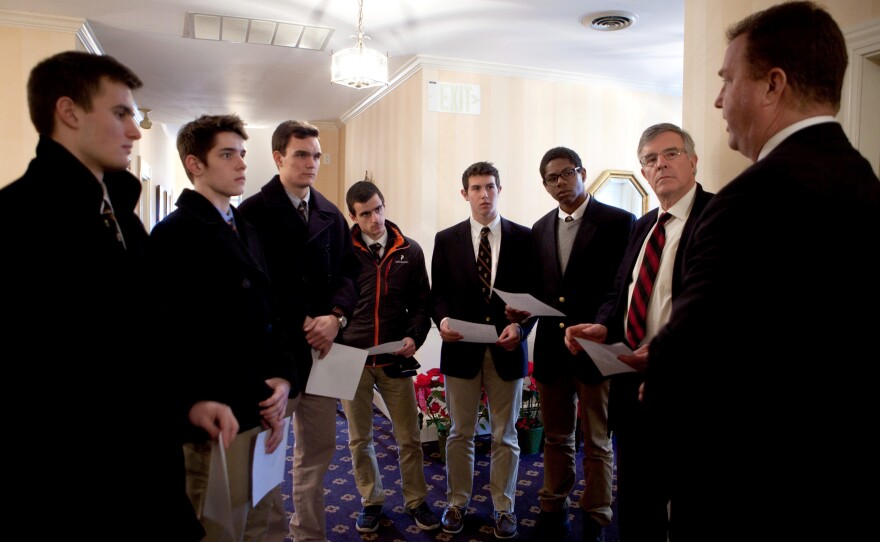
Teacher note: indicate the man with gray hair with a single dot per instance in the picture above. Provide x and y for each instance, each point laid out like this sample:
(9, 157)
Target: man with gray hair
(632, 314)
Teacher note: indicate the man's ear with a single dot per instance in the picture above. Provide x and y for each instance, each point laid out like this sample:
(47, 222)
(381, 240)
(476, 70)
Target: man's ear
(464, 194)
(67, 112)
(277, 156)
(193, 165)
(776, 85)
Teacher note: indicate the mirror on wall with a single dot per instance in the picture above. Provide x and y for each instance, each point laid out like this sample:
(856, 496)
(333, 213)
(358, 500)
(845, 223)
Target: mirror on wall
(621, 189)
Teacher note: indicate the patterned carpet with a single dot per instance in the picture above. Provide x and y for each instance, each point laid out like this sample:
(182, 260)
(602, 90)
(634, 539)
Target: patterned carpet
(343, 501)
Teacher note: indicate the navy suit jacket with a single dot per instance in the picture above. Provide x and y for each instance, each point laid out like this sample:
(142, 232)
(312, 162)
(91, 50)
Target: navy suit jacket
(623, 399)
(592, 265)
(456, 293)
(761, 362)
(221, 306)
(313, 266)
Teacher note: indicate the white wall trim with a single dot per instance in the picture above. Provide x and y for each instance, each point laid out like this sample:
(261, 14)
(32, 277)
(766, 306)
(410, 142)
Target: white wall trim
(418, 62)
(40, 21)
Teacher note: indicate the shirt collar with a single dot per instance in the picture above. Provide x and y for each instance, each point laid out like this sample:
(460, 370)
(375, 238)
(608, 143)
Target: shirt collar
(781, 135)
(382, 240)
(682, 208)
(494, 226)
(579, 212)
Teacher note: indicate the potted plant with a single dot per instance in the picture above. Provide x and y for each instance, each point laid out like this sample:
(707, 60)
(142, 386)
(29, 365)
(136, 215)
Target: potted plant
(529, 425)
(431, 398)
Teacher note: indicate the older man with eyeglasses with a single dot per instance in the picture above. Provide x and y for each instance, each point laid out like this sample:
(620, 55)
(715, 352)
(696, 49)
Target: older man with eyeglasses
(579, 245)
(647, 282)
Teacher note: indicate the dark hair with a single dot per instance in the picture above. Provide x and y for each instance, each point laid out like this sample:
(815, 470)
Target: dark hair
(197, 137)
(558, 152)
(801, 39)
(479, 169)
(291, 128)
(74, 74)
(362, 192)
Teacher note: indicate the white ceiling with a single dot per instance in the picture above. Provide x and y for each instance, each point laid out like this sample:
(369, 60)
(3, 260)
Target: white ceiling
(265, 84)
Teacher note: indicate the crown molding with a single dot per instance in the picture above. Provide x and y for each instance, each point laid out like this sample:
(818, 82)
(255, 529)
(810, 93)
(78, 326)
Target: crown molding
(418, 62)
(40, 21)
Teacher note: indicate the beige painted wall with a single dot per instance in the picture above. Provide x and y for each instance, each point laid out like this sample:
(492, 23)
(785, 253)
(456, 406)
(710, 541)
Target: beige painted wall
(705, 24)
(417, 157)
(21, 47)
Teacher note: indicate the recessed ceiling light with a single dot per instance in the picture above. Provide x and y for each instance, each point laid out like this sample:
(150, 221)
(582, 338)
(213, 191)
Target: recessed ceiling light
(609, 21)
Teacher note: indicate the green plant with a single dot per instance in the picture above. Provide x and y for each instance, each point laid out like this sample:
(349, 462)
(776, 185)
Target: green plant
(530, 410)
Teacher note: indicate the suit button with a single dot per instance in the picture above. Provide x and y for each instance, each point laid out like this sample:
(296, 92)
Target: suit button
(562, 299)
(488, 319)
(561, 325)
(245, 284)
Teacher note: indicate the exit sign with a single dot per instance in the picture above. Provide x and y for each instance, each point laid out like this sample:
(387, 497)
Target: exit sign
(453, 98)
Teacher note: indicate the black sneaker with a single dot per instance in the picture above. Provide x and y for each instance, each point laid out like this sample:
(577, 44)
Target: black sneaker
(424, 517)
(368, 519)
(552, 526)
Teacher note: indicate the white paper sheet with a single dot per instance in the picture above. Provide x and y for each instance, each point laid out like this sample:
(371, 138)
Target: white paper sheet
(338, 374)
(527, 303)
(267, 470)
(605, 356)
(387, 348)
(473, 333)
(218, 502)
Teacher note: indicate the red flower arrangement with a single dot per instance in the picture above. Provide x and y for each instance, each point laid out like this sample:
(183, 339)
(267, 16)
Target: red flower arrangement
(530, 410)
(431, 398)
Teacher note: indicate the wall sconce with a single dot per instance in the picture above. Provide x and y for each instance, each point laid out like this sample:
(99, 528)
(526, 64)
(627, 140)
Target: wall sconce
(146, 123)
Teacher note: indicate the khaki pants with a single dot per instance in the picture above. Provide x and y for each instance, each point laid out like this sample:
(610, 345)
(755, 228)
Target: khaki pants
(249, 523)
(400, 398)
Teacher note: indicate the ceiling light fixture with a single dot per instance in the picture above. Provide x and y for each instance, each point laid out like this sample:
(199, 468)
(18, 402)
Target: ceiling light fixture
(146, 123)
(203, 26)
(359, 67)
(609, 21)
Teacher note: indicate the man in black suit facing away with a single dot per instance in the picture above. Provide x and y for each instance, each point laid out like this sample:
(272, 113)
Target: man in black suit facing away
(669, 163)
(778, 304)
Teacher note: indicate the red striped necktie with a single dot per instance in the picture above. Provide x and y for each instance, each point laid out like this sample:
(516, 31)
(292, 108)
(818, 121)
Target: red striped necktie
(636, 318)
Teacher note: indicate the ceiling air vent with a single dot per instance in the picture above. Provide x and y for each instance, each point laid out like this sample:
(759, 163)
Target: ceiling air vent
(609, 21)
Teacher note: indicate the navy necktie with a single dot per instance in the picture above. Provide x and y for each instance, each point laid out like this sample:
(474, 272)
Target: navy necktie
(484, 264)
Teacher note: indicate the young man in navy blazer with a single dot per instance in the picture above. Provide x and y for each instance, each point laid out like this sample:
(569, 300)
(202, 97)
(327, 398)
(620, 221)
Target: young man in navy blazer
(579, 244)
(459, 292)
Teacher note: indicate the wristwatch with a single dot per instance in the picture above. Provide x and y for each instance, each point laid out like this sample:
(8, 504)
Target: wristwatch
(343, 321)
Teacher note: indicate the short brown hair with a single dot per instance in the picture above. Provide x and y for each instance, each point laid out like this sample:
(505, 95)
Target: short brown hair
(479, 169)
(803, 40)
(76, 75)
(291, 128)
(197, 137)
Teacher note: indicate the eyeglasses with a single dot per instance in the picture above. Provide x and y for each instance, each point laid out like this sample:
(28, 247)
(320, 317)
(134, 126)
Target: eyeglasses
(650, 160)
(567, 175)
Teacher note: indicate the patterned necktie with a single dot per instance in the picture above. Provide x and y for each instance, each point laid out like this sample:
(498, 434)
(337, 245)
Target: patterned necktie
(484, 264)
(231, 223)
(377, 249)
(303, 211)
(110, 221)
(636, 318)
